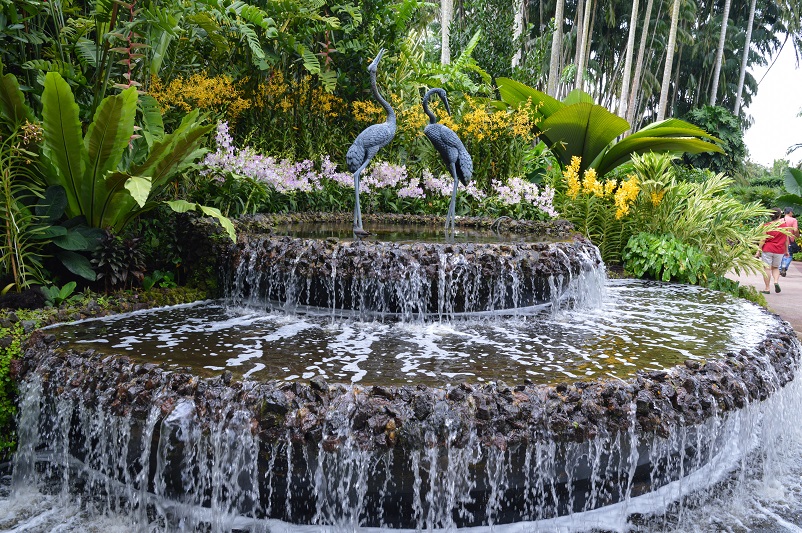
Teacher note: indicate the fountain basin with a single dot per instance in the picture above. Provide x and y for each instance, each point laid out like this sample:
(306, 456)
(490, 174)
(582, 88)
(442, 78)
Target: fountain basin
(403, 456)
(391, 276)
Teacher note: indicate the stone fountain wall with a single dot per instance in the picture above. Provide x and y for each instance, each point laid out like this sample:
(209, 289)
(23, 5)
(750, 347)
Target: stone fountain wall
(426, 457)
(410, 280)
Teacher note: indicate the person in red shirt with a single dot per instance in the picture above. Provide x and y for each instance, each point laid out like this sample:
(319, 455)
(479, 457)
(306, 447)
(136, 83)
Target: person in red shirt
(773, 249)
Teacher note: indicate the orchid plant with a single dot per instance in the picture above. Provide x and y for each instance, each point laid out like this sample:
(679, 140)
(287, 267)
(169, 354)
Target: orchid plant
(388, 186)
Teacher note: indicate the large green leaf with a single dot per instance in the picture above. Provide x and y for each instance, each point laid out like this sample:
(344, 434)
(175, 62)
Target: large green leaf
(173, 153)
(515, 93)
(793, 181)
(582, 130)
(182, 206)
(224, 221)
(673, 127)
(62, 143)
(119, 203)
(139, 188)
(52, 206)
(106, 140)
(77, 264)
(578, 96)
(622, 151)
(153, 125)
(12, 103)
(71, 240)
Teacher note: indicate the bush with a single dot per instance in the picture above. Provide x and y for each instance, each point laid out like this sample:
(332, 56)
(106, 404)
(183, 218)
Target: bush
(665, 258)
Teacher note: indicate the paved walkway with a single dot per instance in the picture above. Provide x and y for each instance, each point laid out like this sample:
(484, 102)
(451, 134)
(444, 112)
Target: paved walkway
(787, 303)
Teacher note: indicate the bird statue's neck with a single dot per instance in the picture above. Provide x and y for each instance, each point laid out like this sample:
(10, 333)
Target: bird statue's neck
(429, 113)
(384, 103)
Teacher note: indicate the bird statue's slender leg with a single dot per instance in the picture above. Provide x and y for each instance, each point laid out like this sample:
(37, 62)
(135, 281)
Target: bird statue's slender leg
(357, 207)
(452, 207)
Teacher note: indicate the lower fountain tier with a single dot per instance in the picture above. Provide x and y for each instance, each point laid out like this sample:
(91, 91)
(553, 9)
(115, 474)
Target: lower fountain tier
(400, 456)
(406, 279)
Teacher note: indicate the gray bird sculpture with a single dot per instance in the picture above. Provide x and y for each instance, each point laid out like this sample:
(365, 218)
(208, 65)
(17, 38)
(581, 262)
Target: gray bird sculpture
(370, 141)
(451, 149)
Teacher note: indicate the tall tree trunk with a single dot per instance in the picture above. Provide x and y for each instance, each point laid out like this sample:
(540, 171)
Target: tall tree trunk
(672, 44)
(580, 23)
(639, 64)
(581, 45)
(446, 14)
(517, 31)
(556, 45)
(744, 59)
(633, 23)
(725, 17)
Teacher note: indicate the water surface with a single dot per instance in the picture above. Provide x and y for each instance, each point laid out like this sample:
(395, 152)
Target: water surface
(638, 326)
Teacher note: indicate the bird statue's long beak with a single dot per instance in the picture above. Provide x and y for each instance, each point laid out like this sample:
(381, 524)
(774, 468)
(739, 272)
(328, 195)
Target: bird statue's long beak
(375, 63)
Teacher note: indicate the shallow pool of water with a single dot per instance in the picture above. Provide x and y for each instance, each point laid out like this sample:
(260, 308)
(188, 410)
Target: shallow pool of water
(407, 233)
(639, 325)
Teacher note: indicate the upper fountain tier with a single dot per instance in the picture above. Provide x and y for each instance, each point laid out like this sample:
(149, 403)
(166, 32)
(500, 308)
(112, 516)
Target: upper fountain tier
(409, 270)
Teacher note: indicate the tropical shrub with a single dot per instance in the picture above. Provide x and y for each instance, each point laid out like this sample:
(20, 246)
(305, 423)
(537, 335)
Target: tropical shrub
(700, 217)
(665, 258)
(119, 261)
(793, 187)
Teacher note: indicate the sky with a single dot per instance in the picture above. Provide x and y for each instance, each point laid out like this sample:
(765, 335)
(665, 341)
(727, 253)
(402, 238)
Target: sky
(774, 110)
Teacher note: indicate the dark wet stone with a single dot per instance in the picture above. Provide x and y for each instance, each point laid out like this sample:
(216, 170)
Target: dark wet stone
(319, 383)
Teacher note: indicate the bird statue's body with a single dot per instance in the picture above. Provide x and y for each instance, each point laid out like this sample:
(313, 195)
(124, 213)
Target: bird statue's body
(370, 141)
(451, 150)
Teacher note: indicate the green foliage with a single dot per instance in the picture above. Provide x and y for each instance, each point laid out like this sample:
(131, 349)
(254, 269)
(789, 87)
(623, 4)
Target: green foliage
(56, 297)
(595, 217)
(10, 351)
(765, 196)
(665, 258)
(702, 215)
(232, 194)
(727, 128)
(580, 128)
(21, 247)
(165, 280)
(748, 292)
(793, 185)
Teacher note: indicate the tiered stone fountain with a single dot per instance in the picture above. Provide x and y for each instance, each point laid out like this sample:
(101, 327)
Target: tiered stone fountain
(400, 384)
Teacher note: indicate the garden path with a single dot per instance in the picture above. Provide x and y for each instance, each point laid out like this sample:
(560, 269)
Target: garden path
(787, 303)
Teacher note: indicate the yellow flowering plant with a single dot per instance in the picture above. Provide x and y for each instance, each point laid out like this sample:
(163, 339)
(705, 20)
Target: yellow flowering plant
(220, 96)
(598, 208)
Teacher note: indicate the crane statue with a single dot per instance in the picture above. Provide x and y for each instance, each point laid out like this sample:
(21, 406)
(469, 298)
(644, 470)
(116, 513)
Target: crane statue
(368, 143)
(451, 149)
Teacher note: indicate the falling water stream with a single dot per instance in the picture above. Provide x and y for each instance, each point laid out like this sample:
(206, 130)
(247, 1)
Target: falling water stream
(262, 412)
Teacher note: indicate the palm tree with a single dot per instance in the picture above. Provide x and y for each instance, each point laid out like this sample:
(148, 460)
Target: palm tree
(639, 63)
(672, 44)
(518, 30)
(633, 22)
(720, 52)
(556, 45)
(744, 58)
(583, 44)
(446, 14)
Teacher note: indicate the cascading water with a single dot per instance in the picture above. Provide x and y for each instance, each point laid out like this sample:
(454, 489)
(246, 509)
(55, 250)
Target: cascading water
(411, 425)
